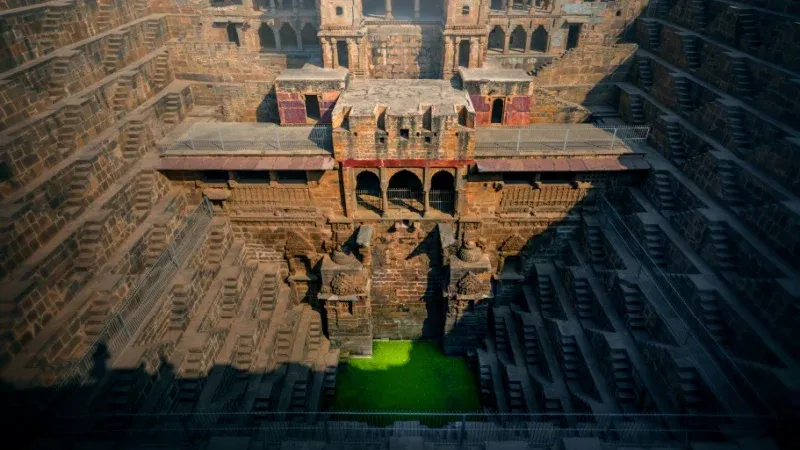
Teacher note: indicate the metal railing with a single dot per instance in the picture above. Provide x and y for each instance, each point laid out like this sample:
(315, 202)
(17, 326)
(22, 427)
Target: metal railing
(379, 427)
(370, 199)
(680, 308)
(404, 198)
(519, 141)
(132, 312)
(443, 200)
(224, 137)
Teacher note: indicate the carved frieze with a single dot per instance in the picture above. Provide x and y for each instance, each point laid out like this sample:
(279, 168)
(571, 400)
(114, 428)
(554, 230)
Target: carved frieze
(470, 284)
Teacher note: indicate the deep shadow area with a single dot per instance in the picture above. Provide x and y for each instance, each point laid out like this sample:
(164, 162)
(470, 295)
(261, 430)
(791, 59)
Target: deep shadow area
(406, 376)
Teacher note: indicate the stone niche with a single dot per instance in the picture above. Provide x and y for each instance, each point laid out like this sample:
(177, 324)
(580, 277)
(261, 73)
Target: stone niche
(499, 96)
(345, 295)
(469, 296)
(307, 96)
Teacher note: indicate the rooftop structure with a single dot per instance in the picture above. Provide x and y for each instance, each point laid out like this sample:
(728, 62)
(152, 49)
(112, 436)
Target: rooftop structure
(209, 206)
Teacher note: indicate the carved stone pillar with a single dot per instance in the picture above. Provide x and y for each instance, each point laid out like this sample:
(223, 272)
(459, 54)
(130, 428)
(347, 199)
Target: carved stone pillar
(416, 9)
(507, 41)
(457, 54)
(299, 36)
(468, 300)
(335, 49)
(388, 9)
(474, 52)
(448, 56)
(384, 192)
(272, 6)
(327, 56)
(352, 55)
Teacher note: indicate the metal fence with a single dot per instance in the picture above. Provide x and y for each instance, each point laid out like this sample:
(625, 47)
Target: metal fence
(404, 198)
(376, 428)
(370, 199)
(519, 141)
(443, 200)
(134, 310)
(651, 274)
(232, 137)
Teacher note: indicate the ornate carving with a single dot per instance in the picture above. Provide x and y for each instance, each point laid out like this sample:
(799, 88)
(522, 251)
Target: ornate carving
(297, 245)
(470, 252)
(469, 284)
(343, 256)
(347, 284)
(513, 244)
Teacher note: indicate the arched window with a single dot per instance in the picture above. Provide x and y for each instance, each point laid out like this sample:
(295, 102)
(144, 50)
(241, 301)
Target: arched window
(341, 51)
(309, 36)
(497, 110)
(288, 36)
(443, 192)
(405, 192)
(266, 36)
(539, 39)
(368, 192)
(497, 38)
(518, 37)
(463, 53)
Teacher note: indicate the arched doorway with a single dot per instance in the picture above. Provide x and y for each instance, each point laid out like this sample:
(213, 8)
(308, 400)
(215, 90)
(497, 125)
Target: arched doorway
(518, 38)
(309, 36)
(368, 192)
(266, 37)
(443, 192)
(497, 39)
(539, 39)
(288, 36)
(343, 57)
(463, 53)
(405, 192)
(498, 105)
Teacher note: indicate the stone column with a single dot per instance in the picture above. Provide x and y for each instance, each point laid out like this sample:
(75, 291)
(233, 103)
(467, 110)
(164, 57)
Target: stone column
(388, 9)
(507, 41)
(474, 53)
(456, 54)
(384, 193)
(272, 6)
(277, 35)
(448, 56)
(335, 49)
(295, 6)
(327, 57)
(352, 55)
(351, 175)
(528, 36)
(504, 4)
(459, 191)
(426, 191)
(509, 6)
(299, 37)
(416, 9)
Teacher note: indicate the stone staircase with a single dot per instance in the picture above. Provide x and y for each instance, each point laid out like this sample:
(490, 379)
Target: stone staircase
(637, 109)
(664, 191)
(314, 338)
(217, 245)
(569, 361)
(156, 243)
(622, 374)
(51, 25)
(546, 294)
(654, 243)
(663, 8)
(486, 384)
(58, 78)
(731, 192)
(711, 313)
(68, 132)
(691, 50)
(95, 316)
(134, 134)
(720, 240)
(501, 335)
(633, 307)
(734, 119)
(583, 299)
(688, 380)
(243, 356)
(231, 296)
(654, 35)
(144, 193)
(89, 246)
(698, 8)
(683, 90)
(645, 72)
(514, 392)
(299, 394)
(113, 53)
(594, 244)
(283, 344)
(530, 340)
(269, 294)
(104, 14)
(141, 8)
(122, 95)
(748, 24)
(151, 33)
(78, 184)
(744, 80)
(172, 110)
(677, 150)
(179, 315)
(161, 76)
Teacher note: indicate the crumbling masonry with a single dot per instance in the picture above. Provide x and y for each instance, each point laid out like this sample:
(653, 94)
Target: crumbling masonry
(207, 204)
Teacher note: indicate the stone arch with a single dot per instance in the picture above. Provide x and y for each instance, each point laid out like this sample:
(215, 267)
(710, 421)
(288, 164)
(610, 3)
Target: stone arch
(309, 36)
(341, 54)
(266, 37)
(405, 192)
(463, 53)
(539, 39)
(518, 38)
(288, 36)
(498, 110)
(497, 38)
(442, 194)
(369, 195)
